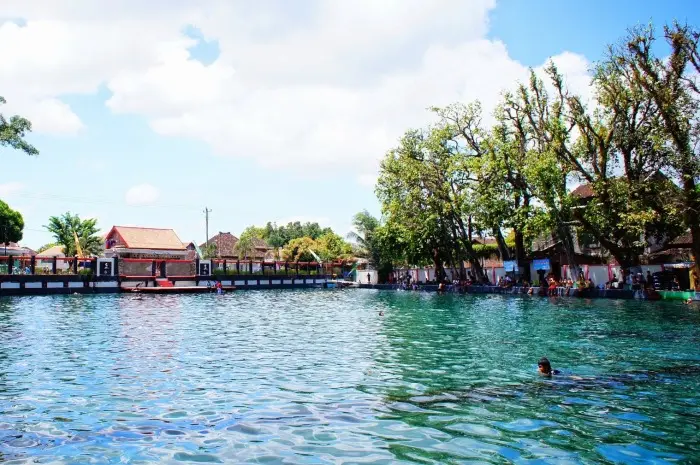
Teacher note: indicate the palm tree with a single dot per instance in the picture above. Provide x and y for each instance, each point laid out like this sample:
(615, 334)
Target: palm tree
(365, 225)
(66, 227)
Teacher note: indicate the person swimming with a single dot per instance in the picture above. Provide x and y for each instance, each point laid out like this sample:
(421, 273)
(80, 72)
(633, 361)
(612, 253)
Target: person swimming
(545, 368)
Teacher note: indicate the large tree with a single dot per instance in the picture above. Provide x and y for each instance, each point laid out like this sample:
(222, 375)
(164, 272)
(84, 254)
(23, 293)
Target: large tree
(498, 195)
(11, 224)
(424, 188)
(66, 227)
(635, 146)
(13, 132)
(671, 83)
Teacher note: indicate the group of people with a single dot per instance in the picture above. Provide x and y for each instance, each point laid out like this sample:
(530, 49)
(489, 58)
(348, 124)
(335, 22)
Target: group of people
(406, 282)
(508, 282)
(635, 281)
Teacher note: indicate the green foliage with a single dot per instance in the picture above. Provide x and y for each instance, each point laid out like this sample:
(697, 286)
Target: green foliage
(331, 247)
(11, 224)
(669, 87)
(246, 245)
(63, 229)
(486, 251)
(636, 148)
(209, 251)
(230, 271)
(379, 244)
(12, 133)
(299, 249)
(279, 236)
(297, 240)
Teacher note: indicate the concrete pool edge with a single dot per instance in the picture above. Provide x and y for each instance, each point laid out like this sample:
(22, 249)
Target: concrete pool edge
(560, 292)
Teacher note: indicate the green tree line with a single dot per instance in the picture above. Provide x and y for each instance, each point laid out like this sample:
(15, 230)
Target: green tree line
(295, 241)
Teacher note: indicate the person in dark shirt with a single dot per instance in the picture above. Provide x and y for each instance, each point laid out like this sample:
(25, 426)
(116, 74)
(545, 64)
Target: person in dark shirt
(545, 368)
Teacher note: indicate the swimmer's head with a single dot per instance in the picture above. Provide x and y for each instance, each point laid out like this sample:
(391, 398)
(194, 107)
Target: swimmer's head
(544, 367)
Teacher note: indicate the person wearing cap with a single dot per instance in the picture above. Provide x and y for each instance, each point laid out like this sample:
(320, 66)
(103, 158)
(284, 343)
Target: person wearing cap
(545, 368)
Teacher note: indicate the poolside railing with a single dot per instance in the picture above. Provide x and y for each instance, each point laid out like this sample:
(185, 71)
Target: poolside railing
(148, 267)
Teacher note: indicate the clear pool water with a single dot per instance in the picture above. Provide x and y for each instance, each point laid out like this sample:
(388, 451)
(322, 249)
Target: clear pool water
(318, 377)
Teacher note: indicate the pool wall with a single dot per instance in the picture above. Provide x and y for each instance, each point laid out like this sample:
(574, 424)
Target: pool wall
(561, 291)
(71, 284)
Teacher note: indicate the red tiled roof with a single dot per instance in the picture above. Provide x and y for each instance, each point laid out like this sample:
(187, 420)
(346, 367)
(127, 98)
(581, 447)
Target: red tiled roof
(261, 244)
(485, 241)
(584, 191)
(225, 242)
(686, 239)
(148, 238)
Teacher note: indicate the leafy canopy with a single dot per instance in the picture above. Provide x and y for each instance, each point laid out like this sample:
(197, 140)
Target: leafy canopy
(280, 236)
(13, 131)
(11, 224)
(67, 226)
(246, 245)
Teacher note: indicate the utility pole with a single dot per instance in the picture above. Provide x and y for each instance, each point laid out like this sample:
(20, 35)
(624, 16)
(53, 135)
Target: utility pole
(206, 215)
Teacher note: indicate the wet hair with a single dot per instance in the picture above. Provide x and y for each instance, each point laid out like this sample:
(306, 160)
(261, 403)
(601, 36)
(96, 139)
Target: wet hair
(544, 363)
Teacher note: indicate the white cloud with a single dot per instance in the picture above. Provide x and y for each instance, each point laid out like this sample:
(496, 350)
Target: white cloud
(7, 189)
(143, 194)
(320, 87)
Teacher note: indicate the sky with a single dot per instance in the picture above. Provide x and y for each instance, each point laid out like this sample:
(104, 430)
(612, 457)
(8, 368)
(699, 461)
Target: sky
(146, 113)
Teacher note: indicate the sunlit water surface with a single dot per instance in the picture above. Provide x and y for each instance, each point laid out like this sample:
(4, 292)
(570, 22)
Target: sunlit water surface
(316, 377)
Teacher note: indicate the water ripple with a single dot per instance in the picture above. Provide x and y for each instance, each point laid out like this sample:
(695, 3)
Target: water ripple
(318, 377)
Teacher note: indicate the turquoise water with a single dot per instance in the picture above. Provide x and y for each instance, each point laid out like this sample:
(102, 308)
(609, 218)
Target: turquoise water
(319, 377)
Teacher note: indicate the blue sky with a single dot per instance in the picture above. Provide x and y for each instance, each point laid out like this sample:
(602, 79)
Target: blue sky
(261, 113)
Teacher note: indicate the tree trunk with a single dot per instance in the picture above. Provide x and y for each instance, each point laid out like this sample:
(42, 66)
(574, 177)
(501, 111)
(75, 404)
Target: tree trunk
(439, 268)
(692, 219)
(520, 254)
(567, 242)
(471, 257)
(501, 242)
